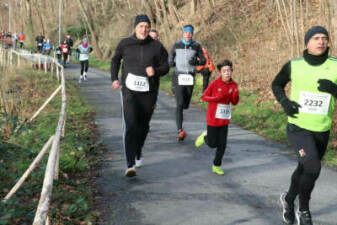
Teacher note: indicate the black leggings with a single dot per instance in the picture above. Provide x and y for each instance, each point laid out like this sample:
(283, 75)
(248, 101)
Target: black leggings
(217, 138)
(183, 96)
(84, 66)
(310, 147)
(65, 57)
(206, 75)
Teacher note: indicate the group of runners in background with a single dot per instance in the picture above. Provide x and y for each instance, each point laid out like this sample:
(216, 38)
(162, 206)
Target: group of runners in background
(10, 40)
(310, 106)
(64, 50)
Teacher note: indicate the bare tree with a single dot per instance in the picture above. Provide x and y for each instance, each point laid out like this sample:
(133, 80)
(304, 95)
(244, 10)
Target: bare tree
(94, 36)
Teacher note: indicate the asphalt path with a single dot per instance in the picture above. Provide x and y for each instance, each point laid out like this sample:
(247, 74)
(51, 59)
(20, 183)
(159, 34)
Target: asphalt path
(176, 186)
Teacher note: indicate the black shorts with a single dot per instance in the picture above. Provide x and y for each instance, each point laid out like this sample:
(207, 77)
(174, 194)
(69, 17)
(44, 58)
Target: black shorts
(309, 145)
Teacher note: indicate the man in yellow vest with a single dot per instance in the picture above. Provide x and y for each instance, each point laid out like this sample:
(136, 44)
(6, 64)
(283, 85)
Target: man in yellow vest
(310, 110)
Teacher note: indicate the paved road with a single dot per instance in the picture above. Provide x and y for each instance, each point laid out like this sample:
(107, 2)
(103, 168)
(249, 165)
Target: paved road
(176, 185)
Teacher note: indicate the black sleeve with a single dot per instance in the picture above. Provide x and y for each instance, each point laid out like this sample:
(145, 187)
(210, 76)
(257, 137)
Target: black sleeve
(163, 66)
(172, 56)
(202, 59)
(116, 62)
(280, 81)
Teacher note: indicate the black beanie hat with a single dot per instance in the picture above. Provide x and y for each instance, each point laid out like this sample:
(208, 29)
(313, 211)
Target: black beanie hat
(142, 18)
(314, 30)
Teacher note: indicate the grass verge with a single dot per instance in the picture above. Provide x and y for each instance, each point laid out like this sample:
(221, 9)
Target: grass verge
(71, 201)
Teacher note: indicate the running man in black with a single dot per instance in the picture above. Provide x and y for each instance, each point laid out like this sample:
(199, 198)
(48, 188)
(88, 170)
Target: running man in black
(144, 61)
(39, 42)
(185, 55)
(310, 109)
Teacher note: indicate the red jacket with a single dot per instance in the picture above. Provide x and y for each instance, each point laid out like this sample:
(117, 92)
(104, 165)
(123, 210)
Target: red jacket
(65, 49)
(219, 92)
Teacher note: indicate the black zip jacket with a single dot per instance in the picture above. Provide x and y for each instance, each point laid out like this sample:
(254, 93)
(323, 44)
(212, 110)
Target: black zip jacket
(137, 55)
(283, 77)
(70, 42)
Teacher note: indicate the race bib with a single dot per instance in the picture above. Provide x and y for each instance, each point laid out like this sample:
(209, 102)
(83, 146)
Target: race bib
(137, 83)
(84, 57)
(39, 44)
(223, 111)
(185, 79)
(314, 103)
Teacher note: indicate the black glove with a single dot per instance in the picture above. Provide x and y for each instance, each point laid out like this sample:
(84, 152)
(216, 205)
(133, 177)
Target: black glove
(327, 86)
(193, 61)
(290, 107)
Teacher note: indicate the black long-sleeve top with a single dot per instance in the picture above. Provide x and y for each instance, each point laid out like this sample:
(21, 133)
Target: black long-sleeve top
(283, 77)
(137, 55)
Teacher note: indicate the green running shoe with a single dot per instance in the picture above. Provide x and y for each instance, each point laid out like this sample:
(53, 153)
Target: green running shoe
(201, 139)
(217, 170)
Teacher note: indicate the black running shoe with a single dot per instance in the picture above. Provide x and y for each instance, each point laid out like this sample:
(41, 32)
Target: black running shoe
(288, 211)
(303, 218)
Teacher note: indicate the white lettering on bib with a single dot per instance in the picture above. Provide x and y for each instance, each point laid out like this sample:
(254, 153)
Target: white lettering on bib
(185, 79)
(314, 103)
(223, 111)
(137, 83)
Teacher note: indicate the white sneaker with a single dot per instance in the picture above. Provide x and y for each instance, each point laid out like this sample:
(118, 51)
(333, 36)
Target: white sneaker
(139, 163)
(85, 77)
(130, 172)
(80, 79)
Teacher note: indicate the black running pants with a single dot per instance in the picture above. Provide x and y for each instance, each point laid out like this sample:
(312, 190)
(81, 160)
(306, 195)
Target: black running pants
(217, 138)
(206, 75)
(65, 57)
(84, 66)
(310, 148)
(183, 96)
(137, 109)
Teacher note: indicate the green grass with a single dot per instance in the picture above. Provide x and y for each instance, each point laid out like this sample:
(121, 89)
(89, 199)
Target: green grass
(258, 116)
(103, 65)
(71, 201)
(96, 63)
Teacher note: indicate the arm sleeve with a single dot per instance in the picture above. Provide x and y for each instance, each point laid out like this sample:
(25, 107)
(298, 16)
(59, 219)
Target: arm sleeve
(207, 95)
(116, 62)
(202, 59)
(280, 81)
(163, 66)
(235, 95)
(172, 56)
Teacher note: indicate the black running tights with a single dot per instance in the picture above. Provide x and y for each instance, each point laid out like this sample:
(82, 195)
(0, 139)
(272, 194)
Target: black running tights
(310, 147)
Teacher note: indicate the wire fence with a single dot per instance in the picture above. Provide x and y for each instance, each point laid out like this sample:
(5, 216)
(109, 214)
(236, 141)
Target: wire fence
(8, 58)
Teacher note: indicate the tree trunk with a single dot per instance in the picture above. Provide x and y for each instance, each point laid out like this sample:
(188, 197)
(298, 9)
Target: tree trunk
(38, 12)
(173, 16)
(29, 23)
(94, 36)
(333, 4)
(193, 6)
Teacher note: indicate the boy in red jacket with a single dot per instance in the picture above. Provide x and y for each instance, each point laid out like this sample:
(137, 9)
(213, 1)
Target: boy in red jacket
(220, 94)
